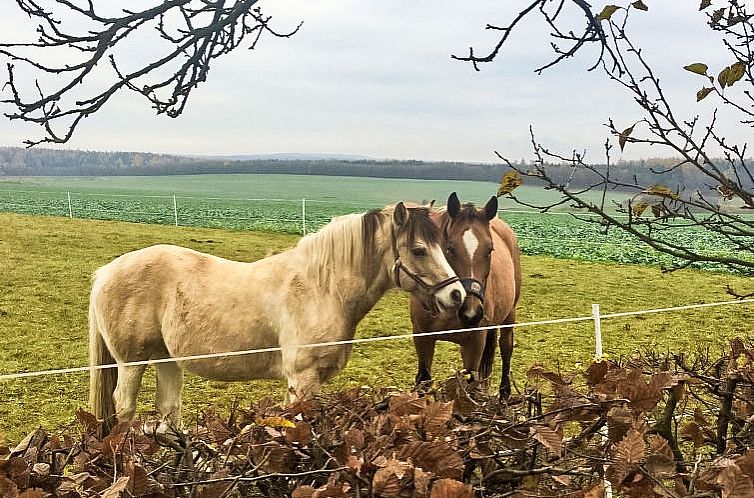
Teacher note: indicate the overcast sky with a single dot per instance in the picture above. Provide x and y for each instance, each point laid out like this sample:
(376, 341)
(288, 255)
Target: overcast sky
(375, 78)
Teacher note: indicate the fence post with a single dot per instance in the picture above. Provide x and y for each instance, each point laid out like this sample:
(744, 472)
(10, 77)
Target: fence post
(303, 216)
(175, 210)
(598, 357)
(70, 208)
(597, 332)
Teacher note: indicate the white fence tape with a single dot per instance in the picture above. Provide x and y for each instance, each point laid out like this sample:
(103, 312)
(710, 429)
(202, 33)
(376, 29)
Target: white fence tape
(595, 317)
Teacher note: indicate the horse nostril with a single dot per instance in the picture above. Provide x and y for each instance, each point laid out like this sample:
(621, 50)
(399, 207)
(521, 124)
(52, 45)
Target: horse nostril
(455, 295)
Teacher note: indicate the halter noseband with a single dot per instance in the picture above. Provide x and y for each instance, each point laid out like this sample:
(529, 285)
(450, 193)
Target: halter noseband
(473, 287)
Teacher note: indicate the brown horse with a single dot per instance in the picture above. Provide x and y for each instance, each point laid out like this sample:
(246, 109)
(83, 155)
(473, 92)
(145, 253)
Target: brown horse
(483, 251)
(166, 302)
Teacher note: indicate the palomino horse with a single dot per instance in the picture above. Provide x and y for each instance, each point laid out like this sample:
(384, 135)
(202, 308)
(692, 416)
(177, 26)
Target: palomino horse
(483, 251)
(166, 302)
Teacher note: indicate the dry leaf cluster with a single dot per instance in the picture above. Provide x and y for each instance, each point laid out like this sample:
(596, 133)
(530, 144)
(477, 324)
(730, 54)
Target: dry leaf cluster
(651, 426)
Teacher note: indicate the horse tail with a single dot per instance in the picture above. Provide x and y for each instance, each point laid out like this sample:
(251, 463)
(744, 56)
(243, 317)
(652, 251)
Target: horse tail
(102, 381)
(488, 354)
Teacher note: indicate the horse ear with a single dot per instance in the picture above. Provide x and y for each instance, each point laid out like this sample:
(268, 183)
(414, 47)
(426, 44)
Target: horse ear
(490, 209)
(400, 215)
(454, 205)
(431, 204)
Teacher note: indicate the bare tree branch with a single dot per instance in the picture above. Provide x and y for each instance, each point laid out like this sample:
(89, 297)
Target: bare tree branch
(195, 32)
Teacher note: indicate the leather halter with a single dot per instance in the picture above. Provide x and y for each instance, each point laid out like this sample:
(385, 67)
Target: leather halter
(399, 267)
(473, 287)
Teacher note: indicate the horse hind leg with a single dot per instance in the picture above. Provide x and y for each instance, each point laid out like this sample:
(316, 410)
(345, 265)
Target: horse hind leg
(127, 390)
(168, 399)
(506, 350)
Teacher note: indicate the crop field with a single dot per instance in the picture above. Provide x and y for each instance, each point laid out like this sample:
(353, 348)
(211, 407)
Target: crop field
(297, 203)
(46, 263)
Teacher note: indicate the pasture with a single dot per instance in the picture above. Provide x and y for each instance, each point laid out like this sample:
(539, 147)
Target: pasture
(46, 264)
(276, 203)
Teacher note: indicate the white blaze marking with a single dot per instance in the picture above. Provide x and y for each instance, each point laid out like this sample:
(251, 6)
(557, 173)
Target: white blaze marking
(444, 294)
(471, 243)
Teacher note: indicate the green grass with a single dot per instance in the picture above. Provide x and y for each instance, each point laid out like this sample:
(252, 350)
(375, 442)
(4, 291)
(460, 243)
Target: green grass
(46, 263)
(274, 203)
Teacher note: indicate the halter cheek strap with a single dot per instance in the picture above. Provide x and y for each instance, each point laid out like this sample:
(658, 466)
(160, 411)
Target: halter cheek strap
(399, 267)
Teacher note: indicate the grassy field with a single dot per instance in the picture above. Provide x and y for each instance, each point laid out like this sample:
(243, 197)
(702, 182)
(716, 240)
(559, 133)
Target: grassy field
(274, 203)
(46, 263)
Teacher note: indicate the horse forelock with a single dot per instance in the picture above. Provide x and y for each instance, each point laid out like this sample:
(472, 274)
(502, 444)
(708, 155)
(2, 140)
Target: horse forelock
(421, 227)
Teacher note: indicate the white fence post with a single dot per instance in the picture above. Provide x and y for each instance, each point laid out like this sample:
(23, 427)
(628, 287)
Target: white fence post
(175, 210)
(597, 332)
(303, 216)
(598, 357)
(70, 208)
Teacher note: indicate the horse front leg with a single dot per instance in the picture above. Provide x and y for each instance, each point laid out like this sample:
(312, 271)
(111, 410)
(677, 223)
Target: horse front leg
(472, 348)
(506, 350)
(425, 353)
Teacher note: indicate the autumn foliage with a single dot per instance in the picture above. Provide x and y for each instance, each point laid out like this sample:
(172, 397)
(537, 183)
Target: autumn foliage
(651, 426)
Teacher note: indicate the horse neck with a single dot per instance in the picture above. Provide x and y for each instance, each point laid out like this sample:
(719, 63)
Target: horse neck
(353, 270)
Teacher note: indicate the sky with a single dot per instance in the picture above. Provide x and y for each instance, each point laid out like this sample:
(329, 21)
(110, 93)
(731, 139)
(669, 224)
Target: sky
(375, 78)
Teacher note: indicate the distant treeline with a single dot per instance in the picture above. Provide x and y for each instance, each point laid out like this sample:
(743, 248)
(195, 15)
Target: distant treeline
(16, 161)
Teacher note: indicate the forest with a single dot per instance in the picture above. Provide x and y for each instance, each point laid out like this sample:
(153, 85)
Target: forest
(17, 161)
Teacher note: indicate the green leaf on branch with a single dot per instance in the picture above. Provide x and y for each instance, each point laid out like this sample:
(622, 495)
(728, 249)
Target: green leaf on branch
(509, 182)
(724, 77)
(607, 11)
(639, 5)
(717, 15)
(623, 137)
(703, 93)
(705, 4)
(736, 72)
(697, 68)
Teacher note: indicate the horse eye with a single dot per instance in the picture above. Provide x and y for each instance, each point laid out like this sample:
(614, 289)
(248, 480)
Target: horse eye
(489, 251)
(419, 251)
(449, 250)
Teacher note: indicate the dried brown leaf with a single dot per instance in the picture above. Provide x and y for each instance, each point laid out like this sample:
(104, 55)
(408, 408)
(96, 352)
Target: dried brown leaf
(549, 438)
(596, 372)
(436, 417)
(301, 433)
(33, 493)
(595, 491)
(660, 459)
(407, 404)
(139, 484)
(450, 488)
(629, 454)
(422, 481)
(116, 488)
(8, 488)
(624, 135)
(734, 483)
(387, 480)
(437, 457)
(303, 492)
